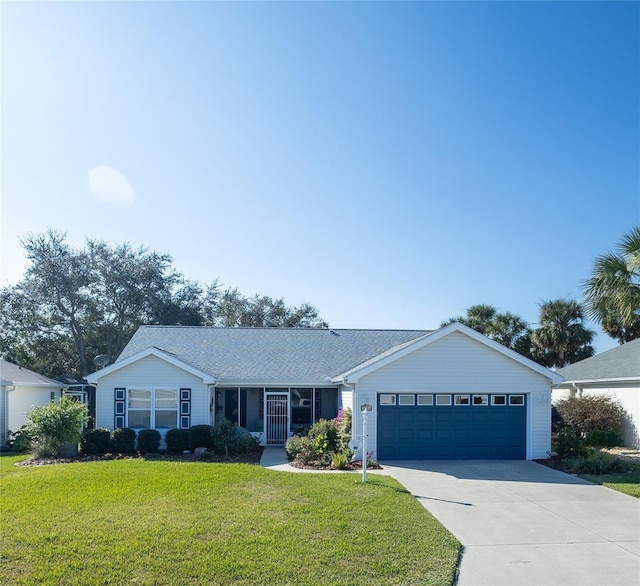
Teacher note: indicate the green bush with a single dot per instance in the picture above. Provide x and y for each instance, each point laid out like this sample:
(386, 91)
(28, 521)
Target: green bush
(294, 445)
(591, 412)
(570, 445)
(123, 440)
(177, 440)
(599, 438)
(95, 441)
(343, 423)
(230, 440)
(326, 435)
(200, 437)
(148, 441)
(20, 441)
(50, 426)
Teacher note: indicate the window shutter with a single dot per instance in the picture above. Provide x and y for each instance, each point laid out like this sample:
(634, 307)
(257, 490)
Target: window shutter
(185, 408)
(119, 408)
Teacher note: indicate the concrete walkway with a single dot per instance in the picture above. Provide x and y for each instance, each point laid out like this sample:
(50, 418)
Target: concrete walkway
(523, 524)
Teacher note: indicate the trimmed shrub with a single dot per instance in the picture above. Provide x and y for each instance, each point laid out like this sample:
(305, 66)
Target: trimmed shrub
(148, 441)
(50, 426)
(229, 439)
(294, 445)
(200, 437)
(123, 440)
(590, 412)
(599, 438)
(95, 441)
(177, 440)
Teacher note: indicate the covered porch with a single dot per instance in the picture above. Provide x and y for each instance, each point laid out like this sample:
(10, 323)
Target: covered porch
(273, 414)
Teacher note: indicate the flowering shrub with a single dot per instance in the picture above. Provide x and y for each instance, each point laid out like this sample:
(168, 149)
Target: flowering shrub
(325, 445)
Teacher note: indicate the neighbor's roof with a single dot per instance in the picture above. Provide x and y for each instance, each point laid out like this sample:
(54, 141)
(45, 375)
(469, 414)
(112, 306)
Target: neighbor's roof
(235, 354)
(620, 363)
(12, 374)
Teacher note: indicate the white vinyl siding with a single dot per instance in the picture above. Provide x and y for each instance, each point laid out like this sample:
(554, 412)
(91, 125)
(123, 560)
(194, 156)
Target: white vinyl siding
(151, 372)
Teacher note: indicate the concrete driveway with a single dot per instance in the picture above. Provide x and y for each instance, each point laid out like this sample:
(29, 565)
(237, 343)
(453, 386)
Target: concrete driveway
(521, 523)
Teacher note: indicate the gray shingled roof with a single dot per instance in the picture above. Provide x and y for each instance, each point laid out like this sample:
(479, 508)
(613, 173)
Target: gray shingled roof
(622, 362)
(269, 354)
(13, 374)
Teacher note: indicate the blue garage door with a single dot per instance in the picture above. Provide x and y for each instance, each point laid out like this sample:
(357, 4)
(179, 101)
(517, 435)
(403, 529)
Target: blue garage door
(422, 426)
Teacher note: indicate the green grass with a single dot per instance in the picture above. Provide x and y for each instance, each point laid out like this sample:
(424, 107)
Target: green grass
(161, 522)
(628, 482)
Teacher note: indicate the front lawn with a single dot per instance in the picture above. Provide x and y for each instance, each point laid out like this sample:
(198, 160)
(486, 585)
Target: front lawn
(163, 522)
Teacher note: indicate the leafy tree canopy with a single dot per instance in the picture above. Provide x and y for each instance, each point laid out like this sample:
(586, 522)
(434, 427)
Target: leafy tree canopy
(75, 303)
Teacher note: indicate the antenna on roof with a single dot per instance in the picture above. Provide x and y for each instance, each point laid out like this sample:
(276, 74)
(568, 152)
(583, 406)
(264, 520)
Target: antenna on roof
(101, 360)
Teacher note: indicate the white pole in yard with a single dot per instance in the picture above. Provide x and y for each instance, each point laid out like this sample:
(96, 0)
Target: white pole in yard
(365, 409)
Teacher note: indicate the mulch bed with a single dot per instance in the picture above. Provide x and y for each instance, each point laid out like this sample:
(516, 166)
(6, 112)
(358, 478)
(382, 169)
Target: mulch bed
(357, 465)
(252, 458)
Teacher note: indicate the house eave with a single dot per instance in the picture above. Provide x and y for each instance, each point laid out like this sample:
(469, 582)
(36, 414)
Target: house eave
(568, 384)
(275, 383)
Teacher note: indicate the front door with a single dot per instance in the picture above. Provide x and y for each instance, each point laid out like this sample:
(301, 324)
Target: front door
(276, 418)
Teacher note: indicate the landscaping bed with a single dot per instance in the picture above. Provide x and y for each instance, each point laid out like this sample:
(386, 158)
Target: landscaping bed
(249, 458)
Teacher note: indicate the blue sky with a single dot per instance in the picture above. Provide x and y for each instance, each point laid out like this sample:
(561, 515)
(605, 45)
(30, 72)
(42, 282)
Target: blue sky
(390, 163)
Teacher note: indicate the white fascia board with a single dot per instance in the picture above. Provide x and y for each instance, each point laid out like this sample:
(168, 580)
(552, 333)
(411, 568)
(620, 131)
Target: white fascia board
(151, 351)
(354, 374)
(51, 385)
(275, 384)
(597, 381)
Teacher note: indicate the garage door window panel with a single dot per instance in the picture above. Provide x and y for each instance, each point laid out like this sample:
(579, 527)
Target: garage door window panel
(425, 400)
(406, 400)
(517, 400)
(387, 400)
(480, 399)
(461, 400)
(499, 400)
(443, 400)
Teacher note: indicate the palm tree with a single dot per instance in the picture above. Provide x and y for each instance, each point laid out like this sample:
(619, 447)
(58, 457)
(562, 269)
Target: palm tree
(612, 293)
(478, 318)
(562, 337)
(511, 331)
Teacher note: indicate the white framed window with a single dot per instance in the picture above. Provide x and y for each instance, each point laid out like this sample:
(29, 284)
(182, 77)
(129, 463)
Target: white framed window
(516, 400)
(461, 400)
(480, 399)
(498, 399)
(443, 400)
(425, 399)
(406, 399)
(387, 399)
(152, 408)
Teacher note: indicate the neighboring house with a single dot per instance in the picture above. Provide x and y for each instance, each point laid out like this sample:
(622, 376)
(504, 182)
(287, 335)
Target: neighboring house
(20, 390)
(615, 373)
(451, 393)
